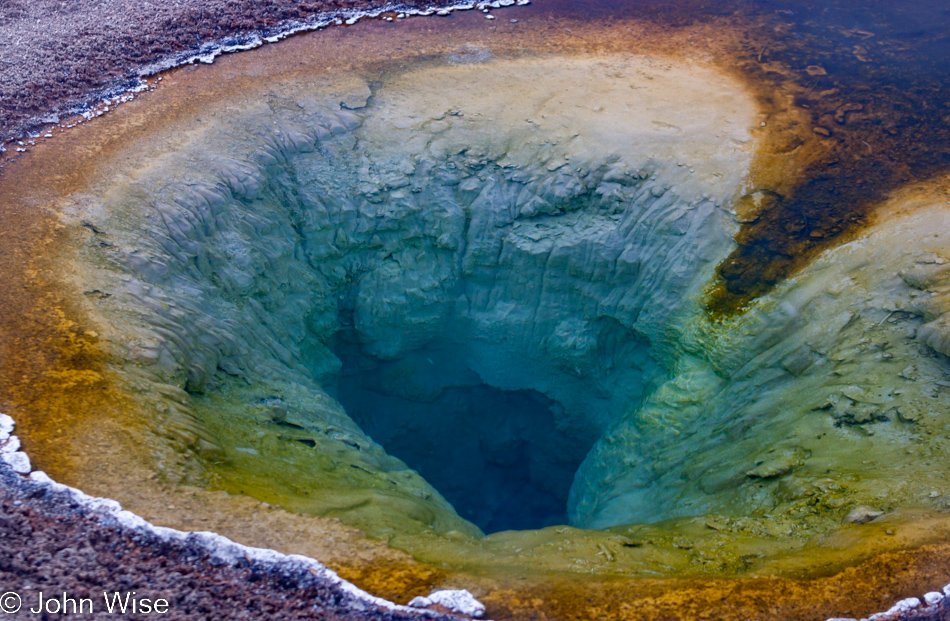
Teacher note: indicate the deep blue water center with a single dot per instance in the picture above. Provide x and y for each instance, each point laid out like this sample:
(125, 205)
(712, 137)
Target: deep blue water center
(496, 455)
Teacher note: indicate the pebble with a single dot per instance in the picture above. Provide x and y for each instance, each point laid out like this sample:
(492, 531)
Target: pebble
(460, 601)
(6, 426)
(10, 445)
(862, 515)
(19, 462)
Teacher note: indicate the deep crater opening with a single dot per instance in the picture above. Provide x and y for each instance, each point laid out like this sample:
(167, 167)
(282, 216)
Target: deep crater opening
(458, 312)
(477, 307)
(498, 456)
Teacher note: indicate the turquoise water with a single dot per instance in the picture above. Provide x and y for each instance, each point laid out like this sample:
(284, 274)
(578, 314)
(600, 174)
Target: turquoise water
(488, 288)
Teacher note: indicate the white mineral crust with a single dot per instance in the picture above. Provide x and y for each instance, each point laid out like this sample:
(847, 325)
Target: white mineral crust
(460, 601)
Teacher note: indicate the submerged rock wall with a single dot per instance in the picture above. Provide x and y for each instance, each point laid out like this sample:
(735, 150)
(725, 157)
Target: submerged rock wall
(829, 394)
(549, 240)
(555, 240)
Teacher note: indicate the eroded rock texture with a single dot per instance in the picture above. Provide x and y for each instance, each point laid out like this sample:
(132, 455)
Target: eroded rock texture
(826, 395)
(470, 227)
(551, 241)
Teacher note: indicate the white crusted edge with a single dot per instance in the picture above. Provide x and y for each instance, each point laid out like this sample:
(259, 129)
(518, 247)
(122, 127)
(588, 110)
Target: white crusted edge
(221, 547)
(224, 549)
(335, 18)
(217, 546)
(458, 600)
(110, 98)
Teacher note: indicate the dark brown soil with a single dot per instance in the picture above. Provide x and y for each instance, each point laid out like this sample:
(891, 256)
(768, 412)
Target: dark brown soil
(51, 544)
(55, 54)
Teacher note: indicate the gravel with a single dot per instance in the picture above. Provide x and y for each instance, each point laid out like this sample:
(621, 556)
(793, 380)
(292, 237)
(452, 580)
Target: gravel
(51, 543)
(57, 54)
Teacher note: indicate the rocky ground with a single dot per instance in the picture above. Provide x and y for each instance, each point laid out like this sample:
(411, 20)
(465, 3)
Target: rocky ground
(49, 543)
(55, 53)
